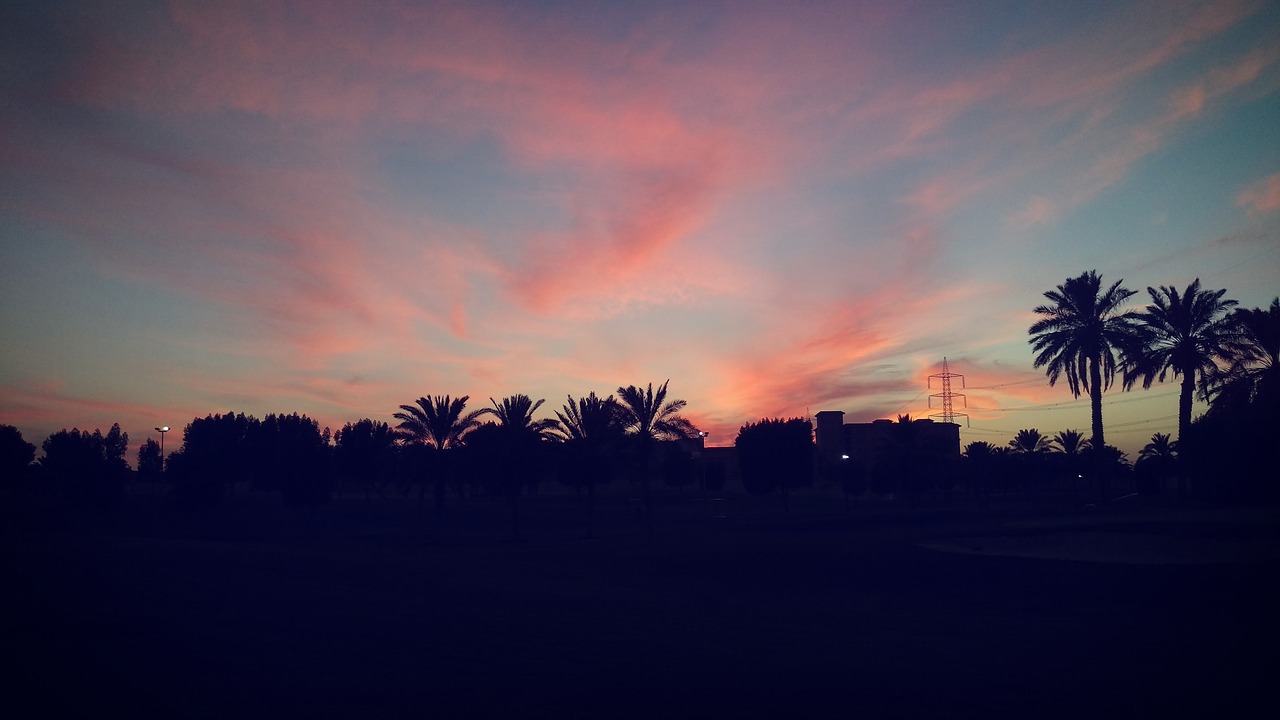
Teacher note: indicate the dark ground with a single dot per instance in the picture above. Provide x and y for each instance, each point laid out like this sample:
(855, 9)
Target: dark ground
(376, 610)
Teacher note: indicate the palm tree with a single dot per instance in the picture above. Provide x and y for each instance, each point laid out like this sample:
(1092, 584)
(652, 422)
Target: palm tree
(979, 460)
(1160, 448)
(1070, 442)
(1071, 445)
(1030, 442)
(437, 423)
(517, 439)
(1157, 462)
(591, 427)
(1184, 334)
(1255, 357)
(1079, 335)
(515, 414)
(648, 416)
(590, 417)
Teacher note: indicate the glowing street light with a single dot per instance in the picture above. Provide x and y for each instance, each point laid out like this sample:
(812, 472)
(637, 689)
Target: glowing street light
(162, 431)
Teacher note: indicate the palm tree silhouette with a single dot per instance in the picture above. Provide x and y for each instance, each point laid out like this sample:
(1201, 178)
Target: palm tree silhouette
(590, 417)
(1184, 334)
(1079, 335)
(518, 438)
(515, 414)
(1160, 448)
(1030, 442)
(1070, 442)
(1255, 358)
(591, 427)
(437, 422)
(649, 417)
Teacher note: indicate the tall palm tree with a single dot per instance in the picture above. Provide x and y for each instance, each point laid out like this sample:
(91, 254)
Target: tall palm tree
(1185, 334)
(649, 416)
(437, 422)
(1079, 336)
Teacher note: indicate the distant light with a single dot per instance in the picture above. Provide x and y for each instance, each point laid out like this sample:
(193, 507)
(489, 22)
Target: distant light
(163, 429)
(844, 457)
(703, 433)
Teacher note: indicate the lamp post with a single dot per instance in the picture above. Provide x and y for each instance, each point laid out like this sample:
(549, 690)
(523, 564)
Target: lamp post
(162, 431)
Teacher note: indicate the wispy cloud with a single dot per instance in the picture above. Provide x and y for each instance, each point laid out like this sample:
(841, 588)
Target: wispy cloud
(1262, 197)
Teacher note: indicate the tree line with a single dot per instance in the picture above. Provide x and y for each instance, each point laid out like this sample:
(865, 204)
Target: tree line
(1085, 334)
(438, 446)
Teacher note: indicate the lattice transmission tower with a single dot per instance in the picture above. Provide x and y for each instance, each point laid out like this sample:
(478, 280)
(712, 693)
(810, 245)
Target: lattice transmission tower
(948, 413)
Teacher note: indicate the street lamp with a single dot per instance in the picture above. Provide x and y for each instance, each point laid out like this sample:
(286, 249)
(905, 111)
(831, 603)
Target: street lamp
(162, 431)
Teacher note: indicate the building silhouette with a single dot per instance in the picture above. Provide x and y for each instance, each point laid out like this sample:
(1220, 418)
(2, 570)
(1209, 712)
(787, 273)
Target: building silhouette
(861, 443)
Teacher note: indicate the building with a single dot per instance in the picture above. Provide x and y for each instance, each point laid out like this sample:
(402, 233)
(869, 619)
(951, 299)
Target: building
(860, 442)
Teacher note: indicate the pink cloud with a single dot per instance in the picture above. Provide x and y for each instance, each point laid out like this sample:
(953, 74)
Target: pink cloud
(1262, 197)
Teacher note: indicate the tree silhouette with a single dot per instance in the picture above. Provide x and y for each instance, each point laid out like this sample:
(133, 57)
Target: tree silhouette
(87, 469)
(593, 429)
(1157, 461)
(649, 417)
(590, 418)
(1184, 334)
(293, 458)
(365, 452)
(515, 415)
(217, 453)
(1079, 335)
(440, 423)
(1106, 466)
(775, 455)
(1253, 375)
(1030, 442)
(150, 462)
(1029, 448)
(980, 460)
(16, 456)
(1070, 442)
(903, 458)
(511, 448)
(1160, 447)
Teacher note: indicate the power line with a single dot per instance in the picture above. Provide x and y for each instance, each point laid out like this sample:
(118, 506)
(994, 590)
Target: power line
(1070, 404)
(1008, 384)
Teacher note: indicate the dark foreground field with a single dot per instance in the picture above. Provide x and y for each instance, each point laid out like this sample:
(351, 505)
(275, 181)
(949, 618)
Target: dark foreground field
(729, 609)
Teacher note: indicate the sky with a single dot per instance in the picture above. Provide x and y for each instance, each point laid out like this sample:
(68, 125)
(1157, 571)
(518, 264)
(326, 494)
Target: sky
(783, 208)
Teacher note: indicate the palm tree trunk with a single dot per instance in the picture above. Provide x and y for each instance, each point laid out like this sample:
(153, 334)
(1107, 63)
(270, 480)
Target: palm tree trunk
(1184, 403)
(1095, 402)
(1184, 424)
(1098, 441)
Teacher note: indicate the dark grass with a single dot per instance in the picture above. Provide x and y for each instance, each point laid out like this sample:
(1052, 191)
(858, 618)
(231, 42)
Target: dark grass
(377, 610)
